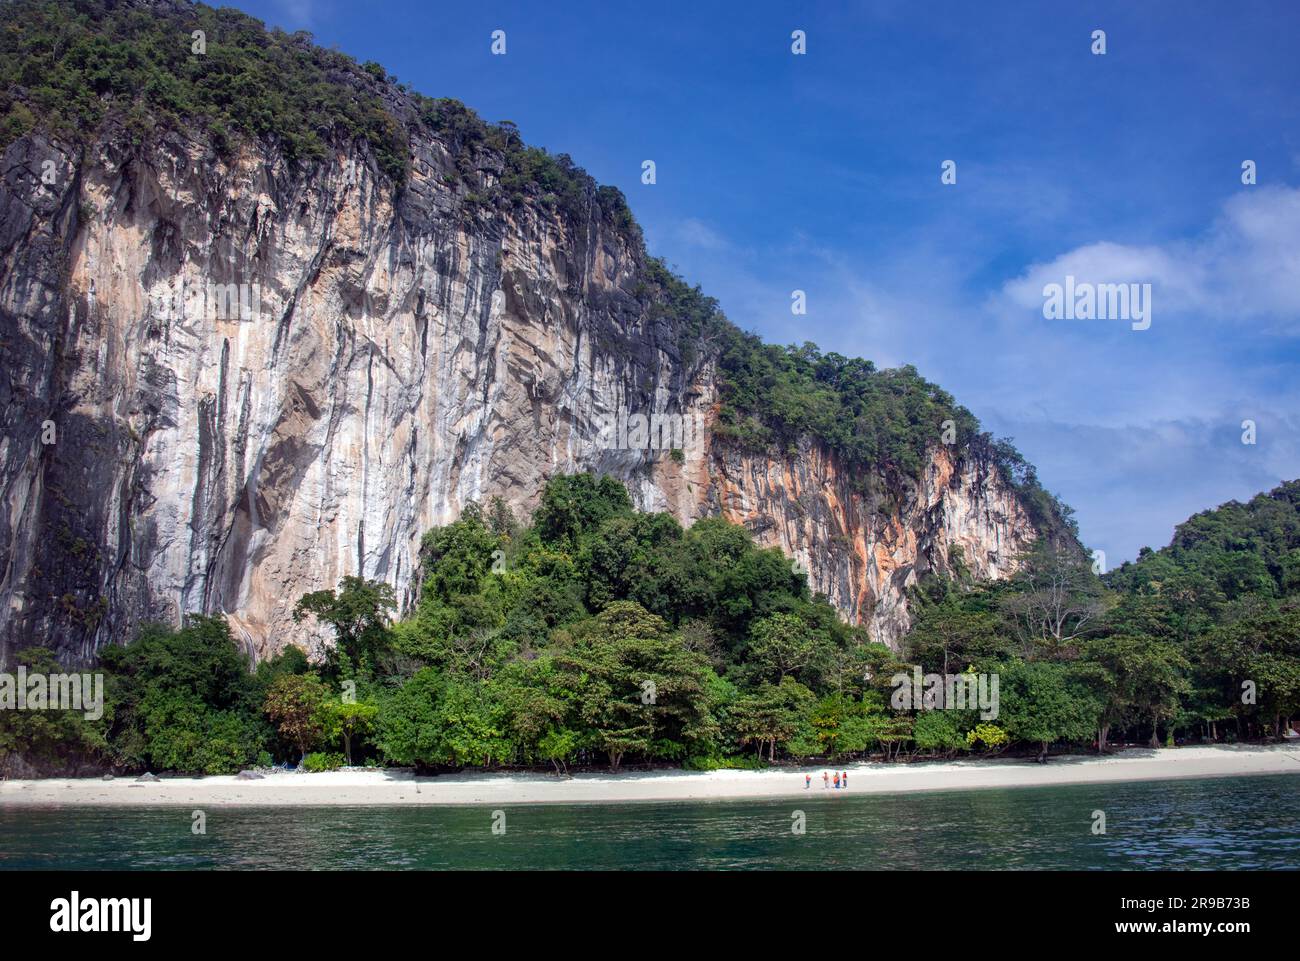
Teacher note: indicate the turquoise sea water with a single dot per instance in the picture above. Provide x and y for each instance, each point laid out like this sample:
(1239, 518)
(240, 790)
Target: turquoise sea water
(1220, 823)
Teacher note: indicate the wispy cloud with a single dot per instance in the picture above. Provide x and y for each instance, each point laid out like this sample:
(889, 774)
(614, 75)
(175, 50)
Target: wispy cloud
(1244, 269)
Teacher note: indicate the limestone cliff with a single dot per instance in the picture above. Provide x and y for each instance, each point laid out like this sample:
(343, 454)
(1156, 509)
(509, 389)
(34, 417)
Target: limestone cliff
(172, 444)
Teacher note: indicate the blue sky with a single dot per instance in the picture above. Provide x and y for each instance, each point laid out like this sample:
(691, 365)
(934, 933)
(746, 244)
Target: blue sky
(821, 172)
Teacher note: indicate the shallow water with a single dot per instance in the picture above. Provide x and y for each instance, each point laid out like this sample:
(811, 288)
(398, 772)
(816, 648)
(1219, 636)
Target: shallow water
(1218, 823)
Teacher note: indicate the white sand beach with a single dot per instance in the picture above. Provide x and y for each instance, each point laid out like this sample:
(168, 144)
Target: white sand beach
(378, 787)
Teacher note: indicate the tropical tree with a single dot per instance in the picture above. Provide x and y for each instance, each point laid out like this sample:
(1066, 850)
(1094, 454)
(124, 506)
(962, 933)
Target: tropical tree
(296, 705)
(634, 685)
(938, 732)
(784, 645)
(349, 720)
(770, 715)
(50, 741)
(1140, 678)
(1056, 601)
(184, 700)
(359, 614)
(1043, 703)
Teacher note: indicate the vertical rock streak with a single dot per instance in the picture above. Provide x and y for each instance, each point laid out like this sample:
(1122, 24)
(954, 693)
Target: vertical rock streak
(403, 359)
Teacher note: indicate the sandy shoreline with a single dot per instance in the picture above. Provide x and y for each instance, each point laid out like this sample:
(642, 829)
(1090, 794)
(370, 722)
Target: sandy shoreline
(392, 787)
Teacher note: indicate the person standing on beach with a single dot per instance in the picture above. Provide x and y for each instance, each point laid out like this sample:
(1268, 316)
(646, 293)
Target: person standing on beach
(807, 781)
(826, 780)
(837, 780)
(846, 780)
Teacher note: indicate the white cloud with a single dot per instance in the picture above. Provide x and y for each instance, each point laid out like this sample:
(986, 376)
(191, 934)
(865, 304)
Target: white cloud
(1245, 268)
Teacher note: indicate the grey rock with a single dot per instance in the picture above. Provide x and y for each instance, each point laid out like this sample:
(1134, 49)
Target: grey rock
(406, 354)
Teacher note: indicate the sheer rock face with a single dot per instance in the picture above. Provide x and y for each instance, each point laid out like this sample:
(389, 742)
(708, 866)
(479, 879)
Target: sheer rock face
(863, 550)
(396, 357)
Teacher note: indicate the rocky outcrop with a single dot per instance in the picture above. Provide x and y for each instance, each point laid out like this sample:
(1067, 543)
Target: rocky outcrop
(228, 382)
(864, 550)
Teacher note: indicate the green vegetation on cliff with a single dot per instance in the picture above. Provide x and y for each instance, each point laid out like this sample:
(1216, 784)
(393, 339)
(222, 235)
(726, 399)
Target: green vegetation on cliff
(1199, 639)
(68, 67)
(883, 424)
(1219, 558)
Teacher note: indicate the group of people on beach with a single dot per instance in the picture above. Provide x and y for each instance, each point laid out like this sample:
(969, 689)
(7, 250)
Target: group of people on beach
(840, 777)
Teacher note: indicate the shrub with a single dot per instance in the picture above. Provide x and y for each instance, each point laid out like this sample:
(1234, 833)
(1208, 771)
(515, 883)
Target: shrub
(989, 735)
(319, 761)
(745, 762)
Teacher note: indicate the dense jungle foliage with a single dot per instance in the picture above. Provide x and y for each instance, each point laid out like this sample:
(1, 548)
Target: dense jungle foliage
(597, 635)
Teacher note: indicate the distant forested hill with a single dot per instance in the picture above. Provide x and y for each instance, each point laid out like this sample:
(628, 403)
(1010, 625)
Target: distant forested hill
(1221, 556)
